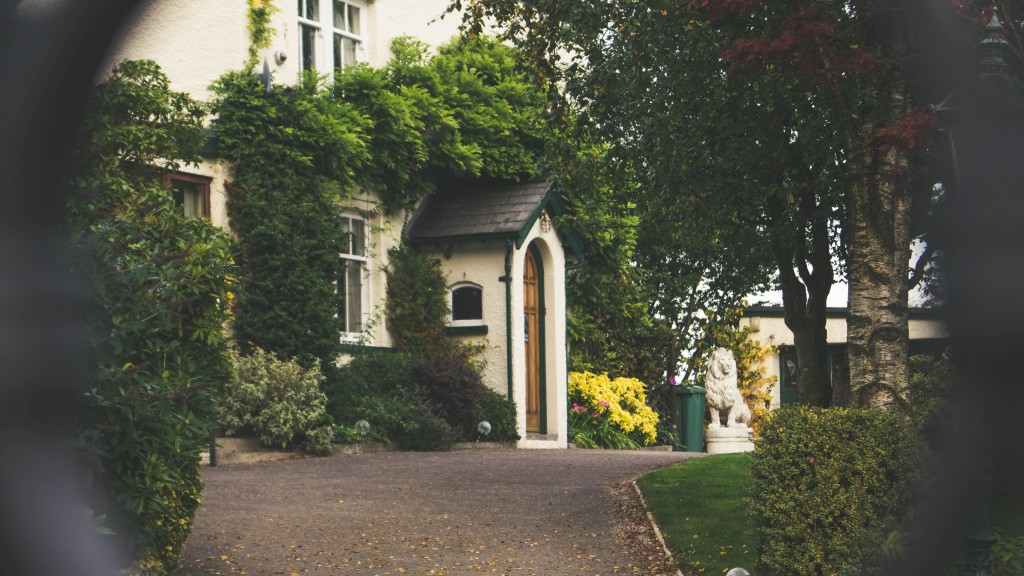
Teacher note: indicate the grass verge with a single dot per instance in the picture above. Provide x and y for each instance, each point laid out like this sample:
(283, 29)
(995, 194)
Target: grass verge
(701, 507)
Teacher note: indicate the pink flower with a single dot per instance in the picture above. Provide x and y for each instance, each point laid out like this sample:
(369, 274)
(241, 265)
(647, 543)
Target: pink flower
(577, 408)
(672, 381)
(605, 403)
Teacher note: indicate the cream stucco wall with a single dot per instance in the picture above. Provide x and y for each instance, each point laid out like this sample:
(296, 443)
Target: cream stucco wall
(481, 262)
(194, 41)
(771, 330)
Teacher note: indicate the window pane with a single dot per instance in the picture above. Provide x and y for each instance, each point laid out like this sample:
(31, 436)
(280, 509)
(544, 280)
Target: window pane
(354, 286)
(349, 51)
(339, 15)
(191, 196)
(358, 230)
(344, 51)
(313, 10)
(467, 303)
(308, 47)
(353, 20)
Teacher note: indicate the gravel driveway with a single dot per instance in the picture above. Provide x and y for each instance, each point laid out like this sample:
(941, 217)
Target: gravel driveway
(544, 512)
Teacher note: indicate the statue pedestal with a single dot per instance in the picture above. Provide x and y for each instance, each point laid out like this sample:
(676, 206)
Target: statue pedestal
(730, 440)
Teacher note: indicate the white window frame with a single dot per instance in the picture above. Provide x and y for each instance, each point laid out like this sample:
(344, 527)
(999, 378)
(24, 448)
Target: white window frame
(363, 260)
(325, 31)
(451, 304)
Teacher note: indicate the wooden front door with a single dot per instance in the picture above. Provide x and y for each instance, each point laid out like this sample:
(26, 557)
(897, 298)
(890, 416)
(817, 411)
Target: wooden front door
(532, 339)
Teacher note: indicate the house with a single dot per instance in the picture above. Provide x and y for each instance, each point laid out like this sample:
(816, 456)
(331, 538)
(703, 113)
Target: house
(928, 335)
(499, 250)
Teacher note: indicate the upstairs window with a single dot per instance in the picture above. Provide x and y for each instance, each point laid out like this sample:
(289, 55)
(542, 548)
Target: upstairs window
(330, 34)
(467, 305)
(191, 193)
(352, 289)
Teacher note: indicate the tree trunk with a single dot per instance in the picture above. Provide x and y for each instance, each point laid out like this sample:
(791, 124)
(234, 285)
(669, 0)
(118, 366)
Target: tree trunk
(878, 269)
(804, 307)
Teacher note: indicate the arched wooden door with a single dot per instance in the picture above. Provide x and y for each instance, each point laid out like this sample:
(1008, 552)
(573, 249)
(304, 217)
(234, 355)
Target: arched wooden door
(534, 326)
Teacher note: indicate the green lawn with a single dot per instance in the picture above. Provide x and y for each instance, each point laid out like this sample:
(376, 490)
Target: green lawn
(701, 508)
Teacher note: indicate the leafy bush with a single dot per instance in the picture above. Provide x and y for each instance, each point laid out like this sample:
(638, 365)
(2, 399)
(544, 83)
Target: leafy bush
(601, 404)
(594, 430)
(1007, 555)
(501, 414)
(161, 288)
(453, 389)
(426, 432)
(374, 386)
(830, 485)
(931, 387)
(278, 400)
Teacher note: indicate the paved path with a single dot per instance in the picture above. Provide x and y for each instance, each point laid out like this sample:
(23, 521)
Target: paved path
(543, 512)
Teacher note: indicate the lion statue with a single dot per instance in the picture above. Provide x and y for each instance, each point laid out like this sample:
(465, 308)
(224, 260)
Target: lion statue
(724, 398)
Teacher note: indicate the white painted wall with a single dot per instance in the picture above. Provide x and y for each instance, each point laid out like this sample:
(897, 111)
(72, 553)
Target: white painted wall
(194, 41)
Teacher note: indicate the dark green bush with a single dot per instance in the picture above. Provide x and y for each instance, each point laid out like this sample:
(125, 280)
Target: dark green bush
(374, 387)
(830, 486)
(931, 391)
(161, 289)
(500, 413)
(453, 389)
(427, 432)
(417, 305)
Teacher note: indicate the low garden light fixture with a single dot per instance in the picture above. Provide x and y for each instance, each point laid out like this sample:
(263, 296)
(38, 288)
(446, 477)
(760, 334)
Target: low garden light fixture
(363, 427)
(737, 572)
(483, 429)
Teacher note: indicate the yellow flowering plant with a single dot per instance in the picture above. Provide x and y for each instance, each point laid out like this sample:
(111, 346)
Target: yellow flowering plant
(600, 406)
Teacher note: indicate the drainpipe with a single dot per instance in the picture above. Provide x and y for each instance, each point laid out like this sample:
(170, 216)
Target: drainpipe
(507, 279)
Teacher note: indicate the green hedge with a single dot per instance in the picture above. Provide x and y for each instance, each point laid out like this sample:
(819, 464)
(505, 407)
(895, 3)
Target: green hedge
(830, 487)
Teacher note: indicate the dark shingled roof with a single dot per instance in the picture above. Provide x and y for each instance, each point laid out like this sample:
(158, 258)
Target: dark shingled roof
(479, 210)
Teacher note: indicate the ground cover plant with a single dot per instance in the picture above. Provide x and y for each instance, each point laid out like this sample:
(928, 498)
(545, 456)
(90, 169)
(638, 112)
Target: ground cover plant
(702, 508)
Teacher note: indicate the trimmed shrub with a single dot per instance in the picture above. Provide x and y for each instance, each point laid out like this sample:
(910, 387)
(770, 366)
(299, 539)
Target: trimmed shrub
(453, 390)
(830, 486)
(277, 400)
(501, 413)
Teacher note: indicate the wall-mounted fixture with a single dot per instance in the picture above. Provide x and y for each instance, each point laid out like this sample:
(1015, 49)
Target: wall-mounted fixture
(280, 56)
(545, 222)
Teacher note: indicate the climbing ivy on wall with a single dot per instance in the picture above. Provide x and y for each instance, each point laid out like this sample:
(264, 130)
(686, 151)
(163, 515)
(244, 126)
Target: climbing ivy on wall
(298, 152)
(260, 32)
(294, 154)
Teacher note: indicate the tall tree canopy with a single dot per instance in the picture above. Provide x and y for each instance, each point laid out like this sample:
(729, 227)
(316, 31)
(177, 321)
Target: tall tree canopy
(795, 132)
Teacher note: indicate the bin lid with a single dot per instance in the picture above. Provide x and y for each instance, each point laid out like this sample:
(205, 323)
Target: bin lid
(691, 389)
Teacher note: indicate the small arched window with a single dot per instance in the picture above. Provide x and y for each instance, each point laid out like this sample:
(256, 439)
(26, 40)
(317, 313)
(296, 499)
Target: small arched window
(467, 305)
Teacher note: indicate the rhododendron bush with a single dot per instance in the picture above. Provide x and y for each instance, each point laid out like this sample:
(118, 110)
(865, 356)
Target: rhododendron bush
(607, 413)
